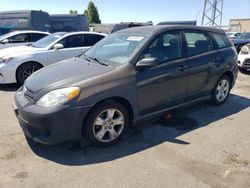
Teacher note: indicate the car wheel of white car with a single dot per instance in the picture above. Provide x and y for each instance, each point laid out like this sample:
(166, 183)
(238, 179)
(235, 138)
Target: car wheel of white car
(26, 70)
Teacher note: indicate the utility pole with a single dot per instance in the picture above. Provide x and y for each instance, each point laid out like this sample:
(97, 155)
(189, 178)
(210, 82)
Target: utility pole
(212, 13)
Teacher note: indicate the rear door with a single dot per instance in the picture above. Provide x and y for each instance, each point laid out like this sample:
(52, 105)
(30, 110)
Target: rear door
(202, 58)
(165, 85)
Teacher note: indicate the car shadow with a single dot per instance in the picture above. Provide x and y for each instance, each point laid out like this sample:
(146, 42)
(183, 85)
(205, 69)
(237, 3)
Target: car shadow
(9, 87)
(143, 136)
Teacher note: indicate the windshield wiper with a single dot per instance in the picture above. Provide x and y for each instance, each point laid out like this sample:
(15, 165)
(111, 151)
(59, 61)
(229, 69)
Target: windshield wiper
(101, 62)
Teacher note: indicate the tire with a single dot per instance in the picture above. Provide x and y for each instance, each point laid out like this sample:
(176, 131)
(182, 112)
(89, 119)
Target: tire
(101, 130)
(219, 94)
(26, 70)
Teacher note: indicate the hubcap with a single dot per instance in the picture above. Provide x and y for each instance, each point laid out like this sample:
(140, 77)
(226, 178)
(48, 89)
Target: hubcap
(29, 71)
(222, 90)
(108, 125)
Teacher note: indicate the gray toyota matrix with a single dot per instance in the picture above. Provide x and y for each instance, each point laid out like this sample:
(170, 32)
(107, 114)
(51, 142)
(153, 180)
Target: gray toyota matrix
(131, 76)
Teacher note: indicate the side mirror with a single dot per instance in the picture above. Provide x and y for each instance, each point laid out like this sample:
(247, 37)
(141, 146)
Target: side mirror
(148, 62)
(5, 41)
(58, 46)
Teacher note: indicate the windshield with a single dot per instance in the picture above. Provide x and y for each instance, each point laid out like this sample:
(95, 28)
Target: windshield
(46, 41)
(244, 36)
(229, 34)
(118, 48)
(5, 36)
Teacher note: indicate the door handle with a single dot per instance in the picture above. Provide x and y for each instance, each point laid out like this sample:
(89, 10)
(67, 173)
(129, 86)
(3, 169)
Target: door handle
(182, 67)
(217, 61)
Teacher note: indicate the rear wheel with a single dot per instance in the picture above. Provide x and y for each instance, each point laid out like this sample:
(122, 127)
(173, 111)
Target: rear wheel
(26, 70)
(221, 90)
(106, 124)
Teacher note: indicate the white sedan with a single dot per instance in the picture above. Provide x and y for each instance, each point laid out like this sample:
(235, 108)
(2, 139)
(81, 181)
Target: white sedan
(244, 58)
(18, 63)
(18, 38)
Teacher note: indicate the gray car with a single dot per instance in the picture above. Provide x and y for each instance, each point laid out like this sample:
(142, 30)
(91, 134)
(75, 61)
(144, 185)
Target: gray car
(130, 76)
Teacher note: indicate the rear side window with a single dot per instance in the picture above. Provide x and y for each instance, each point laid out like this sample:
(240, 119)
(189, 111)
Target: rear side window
(33, 37)
(197, 43)
(221, 40)
(91, 39)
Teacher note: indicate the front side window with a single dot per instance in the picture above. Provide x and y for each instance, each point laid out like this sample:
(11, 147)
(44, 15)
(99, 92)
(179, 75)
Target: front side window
(18, 38)
(221, 40)
(166, 47)
(197, 43)
(117, 49)
(73, 41)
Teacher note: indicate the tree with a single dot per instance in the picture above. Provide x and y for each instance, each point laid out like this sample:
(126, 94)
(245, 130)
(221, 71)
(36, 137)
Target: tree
(73, 11)
(92, 12)
(86, 13)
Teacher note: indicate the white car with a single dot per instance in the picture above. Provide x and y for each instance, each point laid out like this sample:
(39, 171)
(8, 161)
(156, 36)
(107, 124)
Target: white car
(244, 58)
(17, 38)
(18, 63)
(232, 35)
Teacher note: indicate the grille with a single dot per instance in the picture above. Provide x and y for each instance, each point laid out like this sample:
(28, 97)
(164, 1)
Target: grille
(247, 63)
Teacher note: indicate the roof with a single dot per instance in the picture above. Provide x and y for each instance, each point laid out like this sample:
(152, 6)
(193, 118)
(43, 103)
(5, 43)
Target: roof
(161, 28)
(82, 32)
(29, 31)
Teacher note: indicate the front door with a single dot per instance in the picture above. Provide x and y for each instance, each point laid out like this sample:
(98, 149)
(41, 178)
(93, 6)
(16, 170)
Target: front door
(73, 46)
(165, 85)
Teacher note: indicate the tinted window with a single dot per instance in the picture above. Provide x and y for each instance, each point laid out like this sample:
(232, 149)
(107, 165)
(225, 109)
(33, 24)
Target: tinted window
(33, 37)
(91, 40)
(197, 43)
(165, 48)
(221, 40)
(73, 41)
(18, 38)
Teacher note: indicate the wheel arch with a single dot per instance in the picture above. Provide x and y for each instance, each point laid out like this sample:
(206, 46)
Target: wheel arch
(25, 63)
(123, 101)
(230, 75)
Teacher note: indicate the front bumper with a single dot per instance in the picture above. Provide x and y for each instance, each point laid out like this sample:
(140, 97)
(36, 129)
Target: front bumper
(47, 125)
(244, 61)
(7, 73)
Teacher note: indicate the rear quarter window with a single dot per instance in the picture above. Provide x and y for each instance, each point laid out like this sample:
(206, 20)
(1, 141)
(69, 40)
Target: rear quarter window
(221, 40)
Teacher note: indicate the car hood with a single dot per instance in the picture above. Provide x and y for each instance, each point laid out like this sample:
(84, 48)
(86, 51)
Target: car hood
(64, 74)
(240, 41)
(17, 50)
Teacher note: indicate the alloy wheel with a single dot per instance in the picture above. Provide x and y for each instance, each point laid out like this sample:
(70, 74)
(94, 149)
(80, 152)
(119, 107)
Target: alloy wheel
(222, 90)
(108, 125)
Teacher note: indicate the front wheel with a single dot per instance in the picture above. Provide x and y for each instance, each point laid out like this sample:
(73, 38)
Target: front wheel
(106, 124)
(221, 90)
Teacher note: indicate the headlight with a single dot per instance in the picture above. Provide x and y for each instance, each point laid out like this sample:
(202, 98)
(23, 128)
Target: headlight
(245, 50)
(59, 96)
(5, 59)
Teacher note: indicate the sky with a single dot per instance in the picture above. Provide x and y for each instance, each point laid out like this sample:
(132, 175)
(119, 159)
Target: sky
(114, 11)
